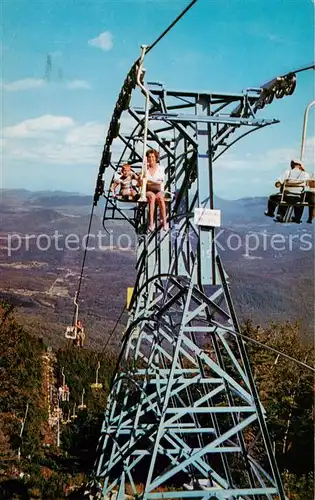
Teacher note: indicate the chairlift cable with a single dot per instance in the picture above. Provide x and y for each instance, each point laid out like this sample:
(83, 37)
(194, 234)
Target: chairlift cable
(150, 47)
(74, 317)
(113, 330)
(304, 68)
(85, 251)
(280, 353)
(261, 344)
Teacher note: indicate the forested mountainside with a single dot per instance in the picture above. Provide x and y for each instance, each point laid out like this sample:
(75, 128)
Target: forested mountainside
(33, 466)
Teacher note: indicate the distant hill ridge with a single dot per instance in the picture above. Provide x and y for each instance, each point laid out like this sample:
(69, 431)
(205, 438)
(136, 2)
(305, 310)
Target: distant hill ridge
(47, 198)
(71, 197)
(57, 201)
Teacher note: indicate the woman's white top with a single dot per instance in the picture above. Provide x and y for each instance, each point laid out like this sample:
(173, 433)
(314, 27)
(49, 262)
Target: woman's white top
(157, 176)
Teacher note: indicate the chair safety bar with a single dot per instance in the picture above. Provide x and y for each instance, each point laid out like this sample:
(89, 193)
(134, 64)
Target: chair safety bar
(140, 75)
(71, 332)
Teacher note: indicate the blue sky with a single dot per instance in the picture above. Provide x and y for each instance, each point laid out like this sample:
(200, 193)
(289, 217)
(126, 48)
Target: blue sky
(53, 132)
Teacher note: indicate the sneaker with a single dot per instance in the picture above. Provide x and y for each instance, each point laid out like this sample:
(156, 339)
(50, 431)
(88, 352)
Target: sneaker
(309, 221)
(268, 214)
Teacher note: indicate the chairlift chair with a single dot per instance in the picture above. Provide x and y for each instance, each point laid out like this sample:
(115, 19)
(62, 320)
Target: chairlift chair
(120, 208)
(96, 385)
(71, 330)
(292, 202)
(65, 419)
(74, 415)
(63, 391)
(82, 406)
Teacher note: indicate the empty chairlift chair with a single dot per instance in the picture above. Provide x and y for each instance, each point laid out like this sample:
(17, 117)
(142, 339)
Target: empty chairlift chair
(96, 385)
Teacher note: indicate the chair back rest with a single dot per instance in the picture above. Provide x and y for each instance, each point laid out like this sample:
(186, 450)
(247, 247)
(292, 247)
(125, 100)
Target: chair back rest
(292, 183)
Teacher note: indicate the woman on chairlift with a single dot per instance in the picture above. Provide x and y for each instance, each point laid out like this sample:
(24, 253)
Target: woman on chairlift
(155, 189)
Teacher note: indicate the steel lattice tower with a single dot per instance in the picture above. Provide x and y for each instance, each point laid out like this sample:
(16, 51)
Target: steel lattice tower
(183, 417)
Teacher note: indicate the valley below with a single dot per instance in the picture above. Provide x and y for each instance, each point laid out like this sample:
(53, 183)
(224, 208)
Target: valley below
(270, 266)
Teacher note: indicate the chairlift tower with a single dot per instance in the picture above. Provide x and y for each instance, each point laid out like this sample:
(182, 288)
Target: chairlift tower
(183, 418)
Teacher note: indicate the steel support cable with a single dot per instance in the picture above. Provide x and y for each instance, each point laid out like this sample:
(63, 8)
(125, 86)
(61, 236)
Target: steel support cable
(85, 252)
(170, 26)
(261, 344)
(114, 329)
(126, 90)
(300, 70)
(305, 68)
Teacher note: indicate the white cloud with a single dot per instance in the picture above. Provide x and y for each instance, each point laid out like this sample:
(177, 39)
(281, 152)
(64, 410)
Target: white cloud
(78, 84)
(104, 41)
(37, 127)
(274, 160)
(53, 140)
(33, 83)
(25, 84)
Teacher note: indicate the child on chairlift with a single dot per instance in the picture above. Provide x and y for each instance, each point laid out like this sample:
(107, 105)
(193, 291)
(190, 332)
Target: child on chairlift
(127, 181)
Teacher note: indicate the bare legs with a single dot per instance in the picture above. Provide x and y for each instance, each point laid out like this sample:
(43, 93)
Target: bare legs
(161, 202)
(152, 200)
(151, 203)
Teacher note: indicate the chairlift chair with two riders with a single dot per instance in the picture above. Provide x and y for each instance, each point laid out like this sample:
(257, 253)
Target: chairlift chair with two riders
(131, 207)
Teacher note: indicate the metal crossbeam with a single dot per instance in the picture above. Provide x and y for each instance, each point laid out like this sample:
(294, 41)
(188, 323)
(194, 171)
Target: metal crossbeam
(220, 119)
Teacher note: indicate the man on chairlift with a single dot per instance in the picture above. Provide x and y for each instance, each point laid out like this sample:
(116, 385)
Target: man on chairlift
(79, 340)
(292, 184)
